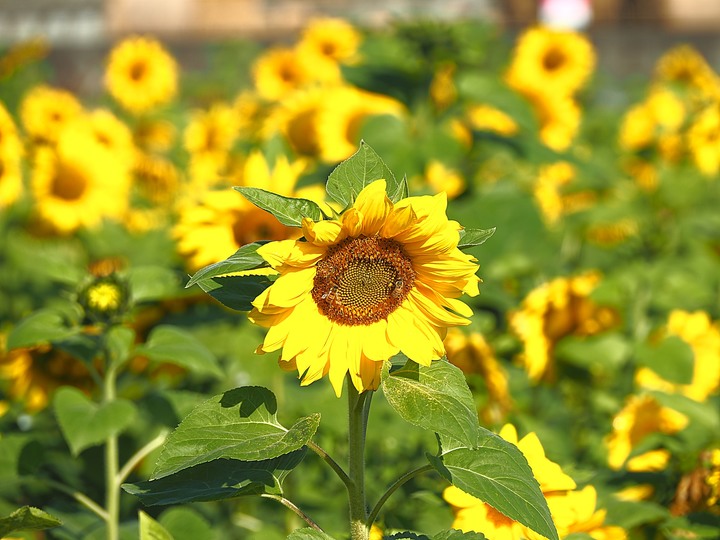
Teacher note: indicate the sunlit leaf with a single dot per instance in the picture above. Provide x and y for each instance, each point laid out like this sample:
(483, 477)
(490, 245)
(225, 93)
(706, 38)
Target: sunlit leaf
(474, 237)
(27, 518)
(245, 258)
(672, 358)
(151, 529)
(308, 533)
(288, 211)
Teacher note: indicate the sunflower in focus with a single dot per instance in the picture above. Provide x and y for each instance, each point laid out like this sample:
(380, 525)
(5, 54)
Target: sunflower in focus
(327, 43)
(641, 416)
(141, 74)
(11, 151)
(381, 279)
(550, 62)
(281, 70)
(44, 111)
(559, 308)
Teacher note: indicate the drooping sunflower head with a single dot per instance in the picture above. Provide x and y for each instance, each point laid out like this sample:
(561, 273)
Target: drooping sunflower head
(45, 110)
(141, 74)
(380, 279)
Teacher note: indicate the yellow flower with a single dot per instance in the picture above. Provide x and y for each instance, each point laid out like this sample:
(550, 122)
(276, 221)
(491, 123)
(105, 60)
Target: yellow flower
(114, 135)
(559, 118)
(551, 196)
(141, 74)
(381, 279)
(704, 140)
(441, 178)
(45, 110)
(11, 151)
(214, 227)
(442, 87)
(657, 119)
(154, 135)
(375, 533)
(575, 512)
(328, 42)
(249, 114)
(641, 416)
(473, 354)
(698, 331)
(550, 62)
(637, 130)
(552, 311)
(212, 132)
(296, 118)
(683, 64)
(157, 179)
(79, 183)
(341, 117)
(487, 118)
(281, 70)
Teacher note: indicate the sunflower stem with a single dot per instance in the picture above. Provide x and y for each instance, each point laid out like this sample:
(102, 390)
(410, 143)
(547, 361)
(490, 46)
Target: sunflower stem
(112, 491)
(289, 504)
(358, 410)
(399, 482)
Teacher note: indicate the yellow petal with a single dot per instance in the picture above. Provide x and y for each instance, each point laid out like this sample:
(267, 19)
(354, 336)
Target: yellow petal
(323, 233)
(374, 206)
(398, 221)
(290, 252)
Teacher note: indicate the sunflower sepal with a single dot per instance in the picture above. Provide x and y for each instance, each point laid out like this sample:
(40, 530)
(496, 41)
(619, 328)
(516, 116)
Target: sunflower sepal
(361, 169)
(497, 473)
(290, 211)
(245, 258)
(474, 237)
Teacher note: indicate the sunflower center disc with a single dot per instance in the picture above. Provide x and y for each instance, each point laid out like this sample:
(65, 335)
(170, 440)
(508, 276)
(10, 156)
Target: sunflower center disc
(362, 280)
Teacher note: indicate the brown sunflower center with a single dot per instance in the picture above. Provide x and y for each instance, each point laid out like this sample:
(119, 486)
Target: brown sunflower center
(553, 59)
(362, 280)
(68, 183)
(137, 70)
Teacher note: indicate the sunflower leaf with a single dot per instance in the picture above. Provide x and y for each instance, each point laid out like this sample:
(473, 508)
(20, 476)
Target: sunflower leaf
(217, 480)
(454, 534)
(308, 534)
(27, 518)
(236, 292)
(358, 171)
(43, 326)
(288, 210)
(434, 397)
(245, 258)
(151, 529)
(239, 424)
(474, 237)
(497, 473)
(174, 345)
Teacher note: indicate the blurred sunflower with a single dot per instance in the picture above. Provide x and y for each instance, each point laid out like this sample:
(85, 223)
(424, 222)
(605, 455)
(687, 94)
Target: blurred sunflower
(552, 195)
(45, 110)
(641, 416)
(79, 183)
(658, 119)
(576, 512)
(550, 62)
(281, 70)
(683, 64)
(381, 279)
(327, 43)
(703, 336)
(250, 112)
(154, 135)
(703, 138)
(296, 118)
(158, 180)
(11, 151)
(559, 119)
(483, 117)
(442, 178)
(141, 74)
(611, 233)
(219, 223)
(556, 309)
(113, 134)
(212, 132)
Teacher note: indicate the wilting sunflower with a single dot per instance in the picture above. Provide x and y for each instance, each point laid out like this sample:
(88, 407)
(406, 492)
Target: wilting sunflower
(141, 74)
(45, 110)
(11, 151)
(280, 71)
(327, 43)
(381, 279)
(550, 62)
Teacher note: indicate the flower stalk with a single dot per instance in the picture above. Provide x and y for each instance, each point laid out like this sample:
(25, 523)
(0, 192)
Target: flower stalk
(358, 409)
(112, 488)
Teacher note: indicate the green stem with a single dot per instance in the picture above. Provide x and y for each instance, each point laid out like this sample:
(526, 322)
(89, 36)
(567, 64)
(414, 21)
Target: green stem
(112, 486)
(331, 462)
(80, 497)
(294, 508)
(358, 409)
(399, 482)
(138, 456)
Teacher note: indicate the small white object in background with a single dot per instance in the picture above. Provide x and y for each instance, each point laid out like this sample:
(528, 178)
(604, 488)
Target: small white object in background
(565, 14)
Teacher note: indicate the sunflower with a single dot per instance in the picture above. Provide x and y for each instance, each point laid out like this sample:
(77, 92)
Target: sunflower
(559, 118)
(550, 62)
(704, 140)
(442, 178)
(551, 194)
(281, 70)
(44, 111)
(483, 117)
(641, 416)
(78, 183)
(703, 336)
(685, 65)
(141, 74)
(296, 119)
(326, 43)
(11, 151)
(113, 135)
(559, 308)
(381, 279)
(576, 512)
(212, 132)
(443, 91)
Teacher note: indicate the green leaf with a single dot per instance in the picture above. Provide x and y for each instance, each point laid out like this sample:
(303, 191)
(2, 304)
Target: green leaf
(84, 423)
(288, 210)
(308, 534)
(607, 351)
(435, 397)
(176, 346)
(474, 237)
(245, 258)
(217, 480)
(27, 518)
(239, 424)
(119, 342)
(236, 292)
(148, 283)
(454, 534)
(43, 326)
(672, 359)
(184, 523)
(358, 171)
(496, 472)
(151, 529)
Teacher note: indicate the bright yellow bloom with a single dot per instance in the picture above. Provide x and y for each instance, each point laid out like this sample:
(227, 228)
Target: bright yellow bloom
(114, 135)
(560, 308)
(45, 110)
(296, 119)
(698, 331)
(441, 178)
(219, 223)
(576, 512)
(685, 65)
(249, 114)
(104, 296)
(280, 71)
(657, 119)
(381, 279)
(327, 43)
(704, 140)
(641, 416)
(550, 62)
(550, 192)
(212, 131)
(637, 130)
(157, 179)
(11, 152)
(141, 74)
(487, 118)
(559, 118)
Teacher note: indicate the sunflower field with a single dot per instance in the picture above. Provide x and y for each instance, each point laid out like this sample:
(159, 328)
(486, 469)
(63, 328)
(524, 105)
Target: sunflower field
(207, 275)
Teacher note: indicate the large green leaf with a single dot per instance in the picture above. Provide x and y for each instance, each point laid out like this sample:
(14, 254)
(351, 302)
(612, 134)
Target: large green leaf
(308, 533)
(236, 292)
(85, 423)
(27, 518)
(454, 534)
(435, 397)
(185, 523)
(149, 283)
(43, 326)
(359, 170)
(219, 479)
(245, 258)
(672, 359)
(474, 237)
(151, 529)
(239, 424)
(176, 346)
(496, 472)
(288, 211)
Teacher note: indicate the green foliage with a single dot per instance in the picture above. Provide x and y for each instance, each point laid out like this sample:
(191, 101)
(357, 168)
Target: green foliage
(27, 518)
(288, 211)
(235, 292)
(474, 237)
(174, 345)
(245, 258)
(151, 529)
